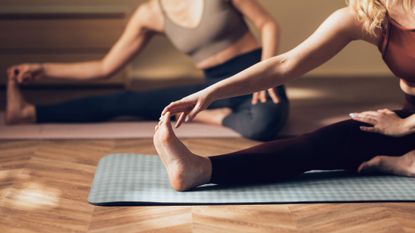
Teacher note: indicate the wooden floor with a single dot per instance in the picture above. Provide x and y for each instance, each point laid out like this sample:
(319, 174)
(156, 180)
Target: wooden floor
(44, 187)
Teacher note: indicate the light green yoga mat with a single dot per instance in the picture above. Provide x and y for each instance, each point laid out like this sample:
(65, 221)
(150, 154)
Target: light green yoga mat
(132, 179)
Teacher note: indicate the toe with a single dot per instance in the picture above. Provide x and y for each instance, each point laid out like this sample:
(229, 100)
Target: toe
(371, 165)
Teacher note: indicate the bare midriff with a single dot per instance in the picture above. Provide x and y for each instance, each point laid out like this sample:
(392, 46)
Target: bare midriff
(245, 44)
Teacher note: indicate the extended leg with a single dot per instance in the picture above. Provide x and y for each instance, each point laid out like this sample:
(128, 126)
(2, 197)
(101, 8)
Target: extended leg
(338, 146)
(146, 104)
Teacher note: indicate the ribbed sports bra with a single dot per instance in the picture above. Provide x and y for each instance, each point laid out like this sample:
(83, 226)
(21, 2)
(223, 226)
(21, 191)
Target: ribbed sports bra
(221, 25)
(397, 46)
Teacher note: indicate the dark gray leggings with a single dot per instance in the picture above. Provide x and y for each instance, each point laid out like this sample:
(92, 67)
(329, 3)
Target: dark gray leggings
(259, 122)
(262, 121)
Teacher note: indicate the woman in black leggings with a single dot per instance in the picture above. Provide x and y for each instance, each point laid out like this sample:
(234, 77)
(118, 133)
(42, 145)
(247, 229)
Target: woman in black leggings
(213, 33)
(381, 140)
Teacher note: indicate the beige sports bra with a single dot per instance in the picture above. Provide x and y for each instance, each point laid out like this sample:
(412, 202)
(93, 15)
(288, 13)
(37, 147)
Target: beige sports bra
(221, 25)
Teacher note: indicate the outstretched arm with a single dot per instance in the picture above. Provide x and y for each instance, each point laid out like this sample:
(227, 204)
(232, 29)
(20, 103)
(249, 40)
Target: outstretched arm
(331, 37)
(142, 25)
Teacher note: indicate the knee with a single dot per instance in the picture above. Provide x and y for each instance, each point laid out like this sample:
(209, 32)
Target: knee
(266, 121)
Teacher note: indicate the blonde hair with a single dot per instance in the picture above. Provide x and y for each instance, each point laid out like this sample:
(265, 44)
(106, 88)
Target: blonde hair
(372, 13)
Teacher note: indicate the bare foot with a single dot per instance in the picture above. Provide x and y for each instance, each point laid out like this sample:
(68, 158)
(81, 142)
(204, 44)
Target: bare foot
(213, 116)
(18, 111)
(185, 169)
(401, 166)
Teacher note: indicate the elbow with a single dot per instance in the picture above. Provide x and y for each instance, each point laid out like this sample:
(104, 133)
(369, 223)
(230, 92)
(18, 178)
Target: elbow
(270, 25)
(105, 72)
(277, 71)
(282, 66)
(105, 75)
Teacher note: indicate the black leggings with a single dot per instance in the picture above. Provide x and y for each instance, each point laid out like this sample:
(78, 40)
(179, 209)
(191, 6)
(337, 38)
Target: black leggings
(259, 122)
(339, 146)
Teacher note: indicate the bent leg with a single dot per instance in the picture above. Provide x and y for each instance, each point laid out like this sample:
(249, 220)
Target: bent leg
(261, 121)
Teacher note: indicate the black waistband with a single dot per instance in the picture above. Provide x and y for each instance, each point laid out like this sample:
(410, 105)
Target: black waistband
(234, 65)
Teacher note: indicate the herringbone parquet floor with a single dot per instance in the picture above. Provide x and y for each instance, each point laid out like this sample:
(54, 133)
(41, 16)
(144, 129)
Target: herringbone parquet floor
(44, 187)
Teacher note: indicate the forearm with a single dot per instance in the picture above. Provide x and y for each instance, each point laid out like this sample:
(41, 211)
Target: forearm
(265, 74)
(269, 40)
(118, 57)
(75, 71)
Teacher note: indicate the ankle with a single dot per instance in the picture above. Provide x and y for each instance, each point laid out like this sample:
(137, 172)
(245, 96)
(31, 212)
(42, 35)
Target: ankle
(177, 178)
(26, 114)
(185, 176)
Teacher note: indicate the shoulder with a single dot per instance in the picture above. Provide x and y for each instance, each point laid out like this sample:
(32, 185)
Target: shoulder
(149, 15)
(347, 20)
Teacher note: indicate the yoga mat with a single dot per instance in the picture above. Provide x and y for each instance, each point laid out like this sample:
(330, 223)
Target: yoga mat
(132, 179)
(108, 130)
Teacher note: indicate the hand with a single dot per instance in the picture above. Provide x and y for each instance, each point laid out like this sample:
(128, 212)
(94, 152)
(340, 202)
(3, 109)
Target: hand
(384, 122)
(188, 107)
(262, 96)
(26, 73)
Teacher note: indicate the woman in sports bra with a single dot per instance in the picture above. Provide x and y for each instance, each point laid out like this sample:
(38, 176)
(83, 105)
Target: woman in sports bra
(381, 141)
(212, 32)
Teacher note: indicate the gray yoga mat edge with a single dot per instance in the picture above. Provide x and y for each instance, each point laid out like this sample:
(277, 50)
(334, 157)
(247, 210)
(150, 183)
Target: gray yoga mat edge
(132, 179)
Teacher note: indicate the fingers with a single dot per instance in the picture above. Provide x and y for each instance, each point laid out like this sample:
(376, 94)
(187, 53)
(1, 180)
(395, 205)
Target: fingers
(263, 96)
(167, 108)
(386, 111)
(275, 98)
(368, 113)
(194, 112)
(181, 119)
(12, 72)
(370, 129)
(369, 119)
(176, 107)
(21, 73)
(26, 78)
(254, 98)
